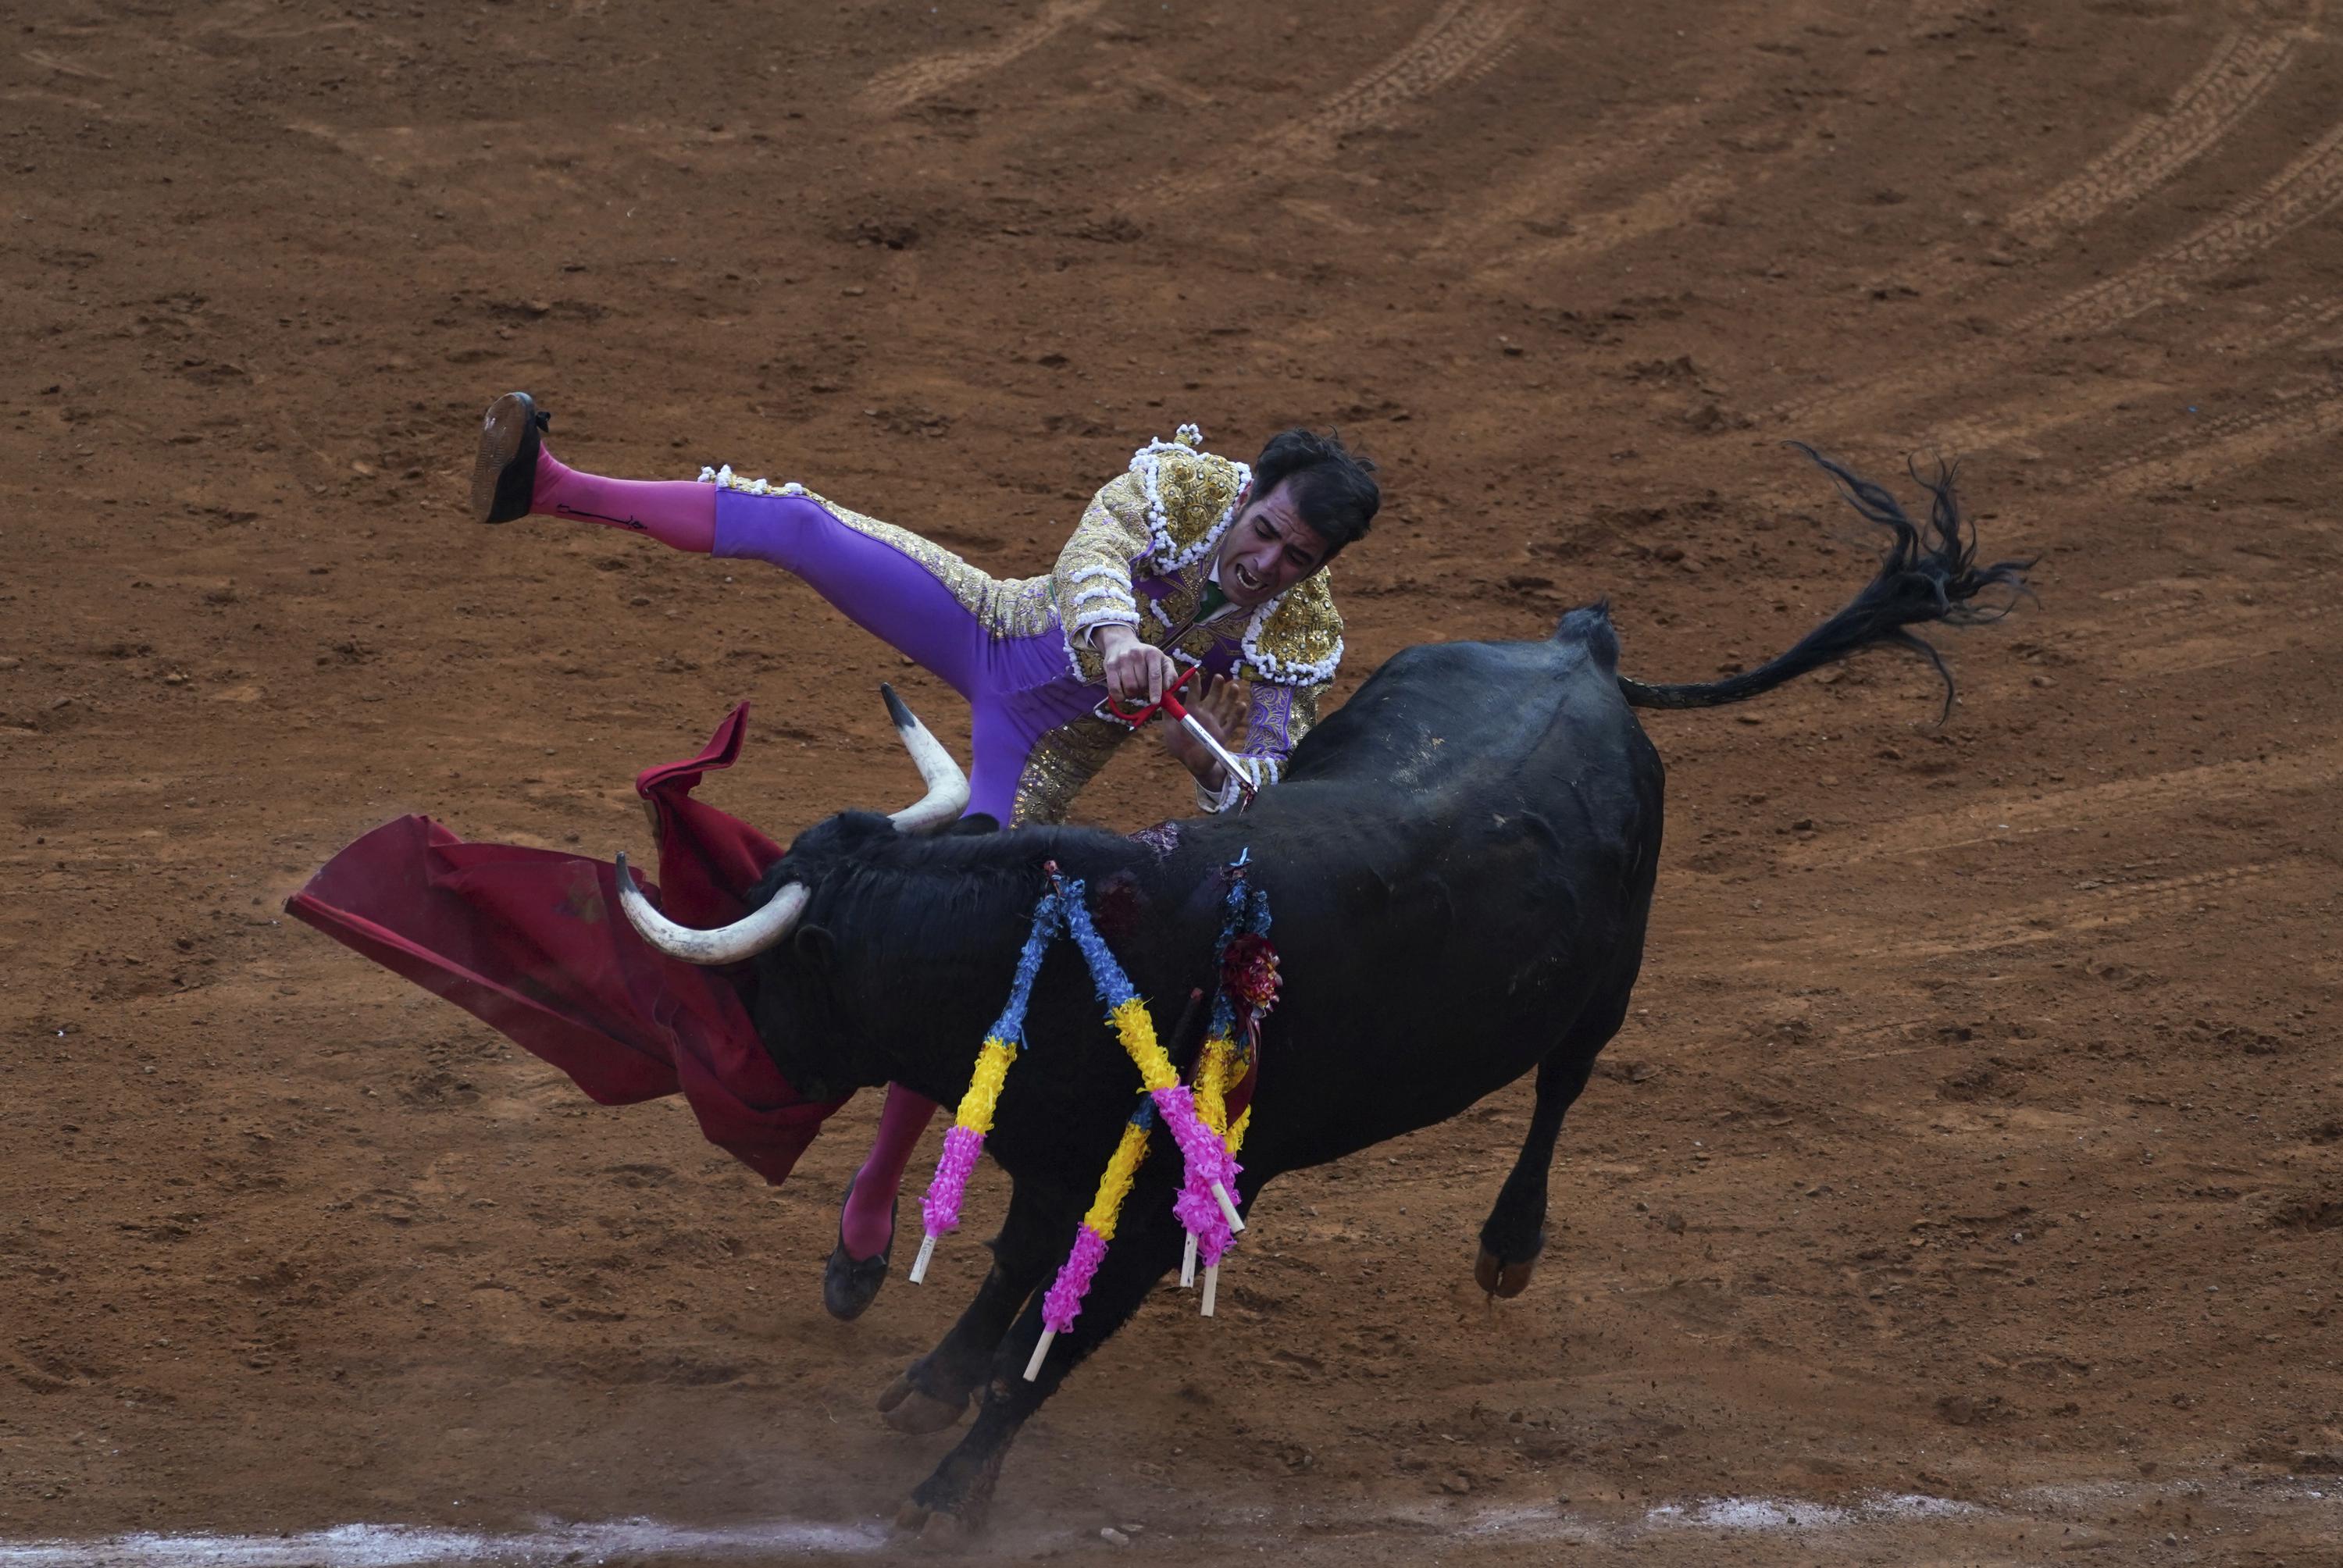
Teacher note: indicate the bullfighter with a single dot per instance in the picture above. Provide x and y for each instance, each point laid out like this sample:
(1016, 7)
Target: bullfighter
(1187, 558)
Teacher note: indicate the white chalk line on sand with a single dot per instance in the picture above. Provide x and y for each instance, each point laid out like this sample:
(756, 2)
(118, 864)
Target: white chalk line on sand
(415, 1547)
(422, 1546)
(1718, 1516)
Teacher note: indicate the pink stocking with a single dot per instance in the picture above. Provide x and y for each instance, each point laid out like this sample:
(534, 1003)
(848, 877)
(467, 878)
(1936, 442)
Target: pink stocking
(677, 512)
(867, 1221)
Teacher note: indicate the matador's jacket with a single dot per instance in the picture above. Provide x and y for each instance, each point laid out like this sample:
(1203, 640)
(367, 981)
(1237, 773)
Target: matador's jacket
(1144, 555)
(1019, 650)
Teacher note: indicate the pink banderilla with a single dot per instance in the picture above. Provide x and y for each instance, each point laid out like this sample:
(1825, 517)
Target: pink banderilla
(940, 1207)
(1203, 1155)
(1200, 1212)
(1063, 1301)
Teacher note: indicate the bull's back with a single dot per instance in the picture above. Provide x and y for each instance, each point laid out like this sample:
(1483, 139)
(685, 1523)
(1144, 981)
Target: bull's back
(1462, 714)
(1462, 853)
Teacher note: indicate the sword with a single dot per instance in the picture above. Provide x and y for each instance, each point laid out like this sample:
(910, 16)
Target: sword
(1170, 703)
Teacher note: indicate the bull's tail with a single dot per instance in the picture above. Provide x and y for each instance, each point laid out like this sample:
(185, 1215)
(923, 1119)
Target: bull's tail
(1929, 573)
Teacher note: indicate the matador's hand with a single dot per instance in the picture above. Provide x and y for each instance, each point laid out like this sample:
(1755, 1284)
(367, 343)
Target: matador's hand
(1134, 671)
(1221, 705)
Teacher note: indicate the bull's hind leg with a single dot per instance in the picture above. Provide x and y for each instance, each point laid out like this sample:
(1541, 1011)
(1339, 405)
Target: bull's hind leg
(956, 1498)
(1514, 1233)
(932, 1393)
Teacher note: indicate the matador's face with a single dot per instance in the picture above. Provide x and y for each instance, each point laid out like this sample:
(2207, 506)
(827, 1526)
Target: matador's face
(1267, 550)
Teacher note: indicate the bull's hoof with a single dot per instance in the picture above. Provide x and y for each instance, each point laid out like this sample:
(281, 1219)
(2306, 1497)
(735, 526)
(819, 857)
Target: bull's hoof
(931, 1528)
(914, 1411)
(1502, 1279)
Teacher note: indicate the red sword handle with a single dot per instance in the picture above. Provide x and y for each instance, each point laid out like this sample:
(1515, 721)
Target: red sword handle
(1170, 703)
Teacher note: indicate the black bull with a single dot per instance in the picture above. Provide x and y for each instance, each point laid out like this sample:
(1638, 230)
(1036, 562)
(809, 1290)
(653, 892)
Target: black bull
(1461, 862)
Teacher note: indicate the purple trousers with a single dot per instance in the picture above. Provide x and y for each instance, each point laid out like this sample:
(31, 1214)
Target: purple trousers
(936, 610)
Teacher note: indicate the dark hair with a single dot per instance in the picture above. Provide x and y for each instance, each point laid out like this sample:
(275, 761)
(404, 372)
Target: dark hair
(1334, 492)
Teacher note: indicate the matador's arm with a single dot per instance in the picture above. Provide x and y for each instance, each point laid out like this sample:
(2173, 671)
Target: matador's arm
(1281, 717)
(1092, 581)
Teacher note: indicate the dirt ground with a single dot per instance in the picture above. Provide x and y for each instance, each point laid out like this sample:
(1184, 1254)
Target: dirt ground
(1968, 1183)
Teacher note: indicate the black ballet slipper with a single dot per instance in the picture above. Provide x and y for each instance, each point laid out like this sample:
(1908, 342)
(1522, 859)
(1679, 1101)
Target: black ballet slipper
(504, 476)
(849, 1284)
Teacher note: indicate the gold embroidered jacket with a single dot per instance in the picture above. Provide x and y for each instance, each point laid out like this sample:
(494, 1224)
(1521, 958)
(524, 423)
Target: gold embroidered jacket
(1142, 557)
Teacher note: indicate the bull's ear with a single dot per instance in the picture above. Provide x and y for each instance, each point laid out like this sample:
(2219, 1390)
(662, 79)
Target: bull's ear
(974, 822)
(816, 947)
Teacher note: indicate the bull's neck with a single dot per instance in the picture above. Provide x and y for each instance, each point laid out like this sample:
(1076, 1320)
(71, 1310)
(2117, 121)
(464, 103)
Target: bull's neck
(950, 926)
(928, 1038)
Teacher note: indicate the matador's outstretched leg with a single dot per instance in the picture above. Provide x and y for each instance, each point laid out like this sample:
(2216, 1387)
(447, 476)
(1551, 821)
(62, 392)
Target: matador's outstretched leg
(923, 601)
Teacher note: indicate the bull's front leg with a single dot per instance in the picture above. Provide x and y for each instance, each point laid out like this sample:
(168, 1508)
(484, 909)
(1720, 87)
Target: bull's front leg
(1514, 1233)
(933, 1392)
(954, 1500)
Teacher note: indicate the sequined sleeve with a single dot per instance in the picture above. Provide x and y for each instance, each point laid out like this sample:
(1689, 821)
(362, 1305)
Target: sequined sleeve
(1091, 582)
(1282, 716)
(1167, 513)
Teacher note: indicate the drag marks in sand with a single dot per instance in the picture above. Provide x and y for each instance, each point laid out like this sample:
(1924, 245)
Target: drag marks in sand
(2204, 449)
(2204, 111)
(2210, 105)
(2218, 635)
(2105, 907)
(2206, 623)
(1671, 207)
(2097, 907)
(898, 88)
(2012, 816)
(2226, 445)
(2300, 318)
(1543, 201)
(2244, 65)
(2304, 190)
(2022, 424)
(1462, 38)
(1548, 194)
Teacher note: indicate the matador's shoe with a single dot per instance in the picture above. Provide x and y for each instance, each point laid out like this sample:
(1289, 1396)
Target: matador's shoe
(504, 476)
(849, 1284)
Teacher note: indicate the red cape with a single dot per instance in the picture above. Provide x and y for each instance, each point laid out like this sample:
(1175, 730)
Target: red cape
(532, 943)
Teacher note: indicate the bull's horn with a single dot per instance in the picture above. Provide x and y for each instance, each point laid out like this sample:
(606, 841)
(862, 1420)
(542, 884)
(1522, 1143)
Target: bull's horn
(947, 795)
(743, 938)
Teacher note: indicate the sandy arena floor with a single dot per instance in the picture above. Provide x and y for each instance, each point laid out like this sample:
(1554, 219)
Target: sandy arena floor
(1968, 1185)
